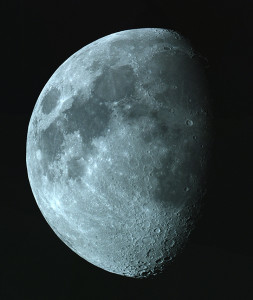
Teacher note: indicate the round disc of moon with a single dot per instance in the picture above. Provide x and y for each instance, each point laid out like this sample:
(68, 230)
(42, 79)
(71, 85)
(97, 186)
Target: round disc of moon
(117, 149)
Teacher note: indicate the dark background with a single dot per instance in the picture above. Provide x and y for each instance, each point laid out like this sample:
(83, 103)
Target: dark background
(38, 36)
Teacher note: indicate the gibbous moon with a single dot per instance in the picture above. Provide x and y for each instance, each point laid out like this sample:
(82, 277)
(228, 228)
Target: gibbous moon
(117, 149)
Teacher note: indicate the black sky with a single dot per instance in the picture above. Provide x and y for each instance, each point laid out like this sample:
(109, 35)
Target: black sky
(36, 38)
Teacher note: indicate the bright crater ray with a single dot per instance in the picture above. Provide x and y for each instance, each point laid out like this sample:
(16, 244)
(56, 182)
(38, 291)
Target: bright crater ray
(117, 149)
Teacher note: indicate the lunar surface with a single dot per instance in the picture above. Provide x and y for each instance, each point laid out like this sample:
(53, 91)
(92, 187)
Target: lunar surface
(117, 149)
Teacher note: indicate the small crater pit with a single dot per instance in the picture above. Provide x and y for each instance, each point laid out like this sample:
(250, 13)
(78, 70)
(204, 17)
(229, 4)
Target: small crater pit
(189, 122)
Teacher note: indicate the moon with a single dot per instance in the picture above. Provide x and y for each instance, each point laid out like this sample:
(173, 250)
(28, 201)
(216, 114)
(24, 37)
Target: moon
(118, 147)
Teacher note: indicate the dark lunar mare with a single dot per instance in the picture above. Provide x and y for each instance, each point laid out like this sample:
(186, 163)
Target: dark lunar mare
(90, 117)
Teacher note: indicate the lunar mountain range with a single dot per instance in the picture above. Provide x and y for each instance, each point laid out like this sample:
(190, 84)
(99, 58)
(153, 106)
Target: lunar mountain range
(118, 147)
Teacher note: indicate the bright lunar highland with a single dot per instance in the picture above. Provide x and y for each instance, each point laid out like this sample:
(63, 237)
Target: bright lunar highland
(117, 149)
